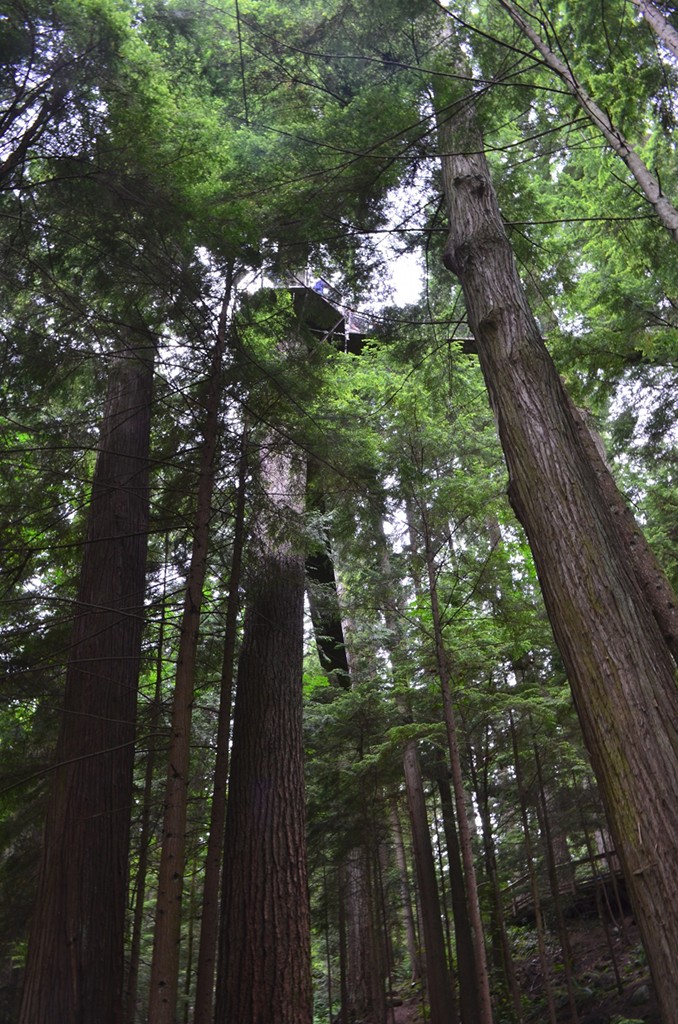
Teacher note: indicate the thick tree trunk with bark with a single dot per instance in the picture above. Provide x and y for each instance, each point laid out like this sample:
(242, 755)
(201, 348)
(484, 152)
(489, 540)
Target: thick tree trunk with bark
(264, 971)
(620, 669)
(75, 967)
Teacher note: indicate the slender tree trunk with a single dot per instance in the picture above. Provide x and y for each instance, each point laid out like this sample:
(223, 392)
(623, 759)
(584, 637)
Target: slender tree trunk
(466, 968)
(328, 949)
(163, 992)
(209, 922)
(659, 24)
(646, 181)
(444, 675)
(381, 864)
(605, 913)
(545, 823)
(406, 902)
(264, 974)
(190, 944)
(75, 966)
(440, 992)
(620, 669)
(343, 950)
(443, 877)
(145, 829)
(534, 881)
(506, 964)
(364, 970)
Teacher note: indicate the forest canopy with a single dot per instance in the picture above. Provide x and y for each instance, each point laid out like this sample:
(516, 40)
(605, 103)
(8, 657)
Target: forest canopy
(339, 634)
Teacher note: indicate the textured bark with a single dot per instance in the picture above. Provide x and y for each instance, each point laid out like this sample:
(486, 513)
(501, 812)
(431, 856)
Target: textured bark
(264, 961)
(619, 666)
(647, 182)
(440, 993)
(162, 1006)
(75, 969)
(264, 972)
(209, 918)
(649, 574)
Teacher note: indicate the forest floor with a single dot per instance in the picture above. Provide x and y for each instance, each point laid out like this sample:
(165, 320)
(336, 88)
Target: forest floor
(604, 996)
(597, 994)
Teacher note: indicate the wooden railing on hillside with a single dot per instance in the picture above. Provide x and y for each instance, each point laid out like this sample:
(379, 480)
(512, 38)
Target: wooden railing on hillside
(581, 880)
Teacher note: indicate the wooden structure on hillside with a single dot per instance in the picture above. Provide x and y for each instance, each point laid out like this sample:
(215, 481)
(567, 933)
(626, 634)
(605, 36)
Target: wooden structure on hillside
(592, 886)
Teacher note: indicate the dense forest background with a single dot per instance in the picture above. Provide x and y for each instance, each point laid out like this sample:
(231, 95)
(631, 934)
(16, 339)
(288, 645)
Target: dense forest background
(308, 592)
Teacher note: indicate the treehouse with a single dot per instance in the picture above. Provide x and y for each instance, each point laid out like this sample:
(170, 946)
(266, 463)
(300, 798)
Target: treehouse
(321, 307)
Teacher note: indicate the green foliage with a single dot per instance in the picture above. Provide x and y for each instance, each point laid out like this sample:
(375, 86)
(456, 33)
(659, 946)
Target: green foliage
(179, 139)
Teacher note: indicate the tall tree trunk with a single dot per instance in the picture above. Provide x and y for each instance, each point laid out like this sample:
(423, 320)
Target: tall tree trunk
(505, 965)
(209, 920)
(190, 942)
(162, 1006)
(406, 902)
(343, 945)
(465, 844)
(620, 669)
(563, 936)
(364, 969)
(534, 881)
(75, 966)
(328, 950)
(466, 967)
(264, 974)
(440, 992)
(145, 830)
